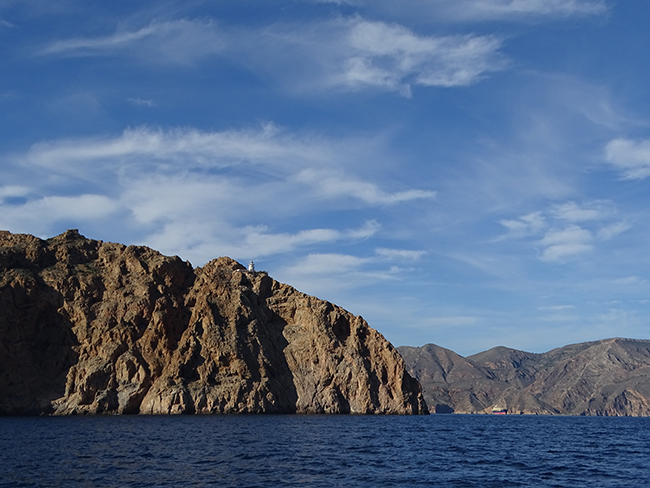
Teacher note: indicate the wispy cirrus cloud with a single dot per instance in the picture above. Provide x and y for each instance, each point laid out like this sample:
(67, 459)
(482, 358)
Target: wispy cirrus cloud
(628, 280)
(356, 54)
(567, 230)
(342, 54)
(13, 191)
(329, 264)
(401, 254)
(560, 244)
(323, 272)
(525, 225)
(266, 147)
(478, 10)
(265, 153)
(392, 57)
(557, 308)
(177, 41)
(481, 10)
(610, 231)
(331, 185)
(593, 210)
(141, 102)
(199, 242)
(333, 264)
(36, 214)
(200, 194)
(630, 157)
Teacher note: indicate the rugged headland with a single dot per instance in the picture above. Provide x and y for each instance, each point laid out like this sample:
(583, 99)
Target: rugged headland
(90, 327)
(609, 377)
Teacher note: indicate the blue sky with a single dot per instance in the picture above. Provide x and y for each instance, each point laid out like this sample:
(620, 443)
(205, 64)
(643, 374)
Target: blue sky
(470, 173)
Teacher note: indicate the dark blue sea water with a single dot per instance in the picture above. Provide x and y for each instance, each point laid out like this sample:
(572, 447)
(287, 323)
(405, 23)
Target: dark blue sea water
(325, 451)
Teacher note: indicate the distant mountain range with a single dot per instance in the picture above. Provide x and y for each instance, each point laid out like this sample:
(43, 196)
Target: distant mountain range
(609, 377)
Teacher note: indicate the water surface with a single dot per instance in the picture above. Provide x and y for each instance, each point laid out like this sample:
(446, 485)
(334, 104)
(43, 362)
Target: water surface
(324, 451)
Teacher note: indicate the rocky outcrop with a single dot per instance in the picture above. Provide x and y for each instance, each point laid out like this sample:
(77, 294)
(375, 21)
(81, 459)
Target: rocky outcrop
(88, 327)
(609, 377)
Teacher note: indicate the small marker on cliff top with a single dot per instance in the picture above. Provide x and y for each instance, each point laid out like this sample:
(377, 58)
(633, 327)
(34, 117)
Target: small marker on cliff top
(251, 267)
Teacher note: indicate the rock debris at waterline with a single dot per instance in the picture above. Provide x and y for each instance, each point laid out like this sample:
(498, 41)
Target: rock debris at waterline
(88, 327)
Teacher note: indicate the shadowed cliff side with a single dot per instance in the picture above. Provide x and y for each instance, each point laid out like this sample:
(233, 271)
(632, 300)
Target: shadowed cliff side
(88, 327)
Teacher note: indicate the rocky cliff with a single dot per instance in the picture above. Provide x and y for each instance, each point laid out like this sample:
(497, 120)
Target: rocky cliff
(609, 377)
(88, 327)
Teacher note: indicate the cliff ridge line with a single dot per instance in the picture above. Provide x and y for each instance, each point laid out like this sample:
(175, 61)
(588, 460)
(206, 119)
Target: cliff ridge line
(92, 327)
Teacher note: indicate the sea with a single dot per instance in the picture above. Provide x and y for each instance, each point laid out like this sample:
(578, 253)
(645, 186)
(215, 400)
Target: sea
(325, 451)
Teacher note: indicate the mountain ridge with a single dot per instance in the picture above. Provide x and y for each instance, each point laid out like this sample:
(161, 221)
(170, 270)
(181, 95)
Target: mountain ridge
(608, 377)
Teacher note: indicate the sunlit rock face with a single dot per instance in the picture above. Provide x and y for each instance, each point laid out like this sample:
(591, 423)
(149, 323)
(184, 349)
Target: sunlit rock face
(609, 377)
(88, 327)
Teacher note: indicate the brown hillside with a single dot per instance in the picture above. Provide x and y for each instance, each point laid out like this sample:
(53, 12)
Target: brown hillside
(609, 377)
(93, 327)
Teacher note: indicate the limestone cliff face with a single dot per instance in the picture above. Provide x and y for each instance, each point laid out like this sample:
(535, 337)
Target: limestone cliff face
(88, 327)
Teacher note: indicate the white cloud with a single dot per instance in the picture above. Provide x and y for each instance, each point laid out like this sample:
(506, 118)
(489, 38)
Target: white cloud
(560, 244)
(155, 159)
(267, 243)
(591, 101)
(201, 194)
(179, 42)
(11, 191)
(337, 186)
(516, 9)
(527, 225)
(632, 158)
(267, 148)
(162, 198)
(76, 207)
(199, 242)
(629, 280)
(392, 57)
(327, 273)
(36, 215)
(354, 54)
(572, 212)
(613, 230)
(329, 264)
(368, 229)
(481, 10)
(557, 231)
(343, 54)
(142, 102)
(399, 254)
(557, 308)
